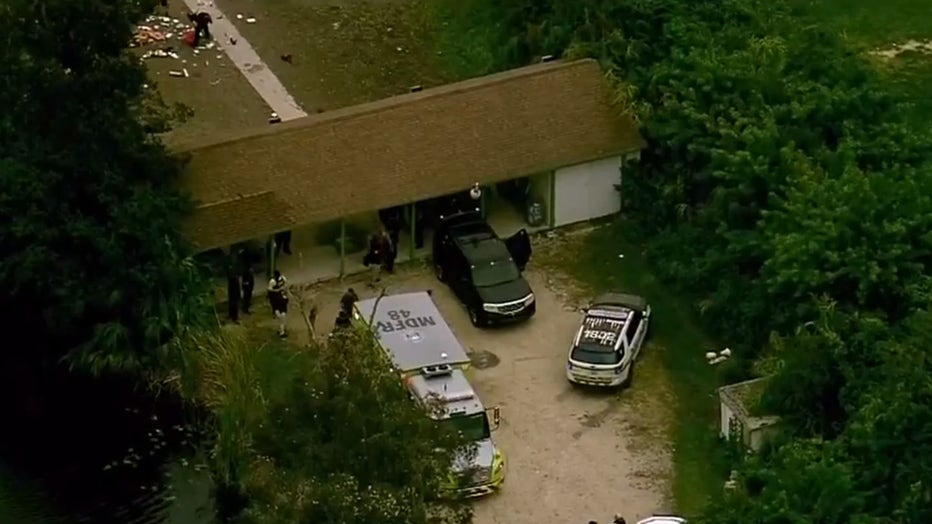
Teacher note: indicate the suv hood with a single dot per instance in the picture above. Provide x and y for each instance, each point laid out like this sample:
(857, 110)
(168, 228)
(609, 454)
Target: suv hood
(505, 292)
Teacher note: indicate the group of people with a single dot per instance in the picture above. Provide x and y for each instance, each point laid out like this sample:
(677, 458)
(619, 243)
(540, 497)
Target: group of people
(241, 285)
(383, 245)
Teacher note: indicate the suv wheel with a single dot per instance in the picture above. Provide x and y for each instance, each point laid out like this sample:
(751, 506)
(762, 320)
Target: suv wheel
(474, 317)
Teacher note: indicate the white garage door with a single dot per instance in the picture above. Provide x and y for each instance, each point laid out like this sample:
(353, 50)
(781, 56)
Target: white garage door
(586, 191)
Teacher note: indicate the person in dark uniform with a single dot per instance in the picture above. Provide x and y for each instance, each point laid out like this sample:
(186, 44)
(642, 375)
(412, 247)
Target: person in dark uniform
(394, 221)
(202, 21)
(619, 519)
(375, 258)
(283, 242)
(233, 295)
(249, 285)
(419, 217)
(348, 300)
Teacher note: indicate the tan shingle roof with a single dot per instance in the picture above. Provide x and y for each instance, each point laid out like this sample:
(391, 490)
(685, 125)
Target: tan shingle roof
(403, 149)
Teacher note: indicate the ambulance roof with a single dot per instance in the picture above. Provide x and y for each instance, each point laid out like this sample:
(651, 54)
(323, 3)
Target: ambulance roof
(409, 326)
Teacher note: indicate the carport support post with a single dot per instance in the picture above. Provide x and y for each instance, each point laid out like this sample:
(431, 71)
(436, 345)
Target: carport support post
(412, 217)
(342, 247)
(271, 245)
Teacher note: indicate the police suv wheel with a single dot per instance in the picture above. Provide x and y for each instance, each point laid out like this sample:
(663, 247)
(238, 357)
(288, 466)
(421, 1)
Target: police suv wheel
(627, 382)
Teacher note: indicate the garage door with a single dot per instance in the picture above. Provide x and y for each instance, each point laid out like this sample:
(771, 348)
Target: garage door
(587, 191)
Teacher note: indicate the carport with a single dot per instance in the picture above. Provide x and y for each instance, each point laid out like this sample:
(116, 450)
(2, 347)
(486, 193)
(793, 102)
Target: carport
(552, 122)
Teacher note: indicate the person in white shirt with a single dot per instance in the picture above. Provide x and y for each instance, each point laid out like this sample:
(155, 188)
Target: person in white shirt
(278, 299)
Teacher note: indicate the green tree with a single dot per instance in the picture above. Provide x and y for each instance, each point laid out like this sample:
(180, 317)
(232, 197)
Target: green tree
(803, 482)
(783, 187)
(324, 435)
(91, 263)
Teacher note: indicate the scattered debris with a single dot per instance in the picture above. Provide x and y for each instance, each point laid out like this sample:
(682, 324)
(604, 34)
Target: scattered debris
(336, 25)
(239, 17)
(185, 71)
(166, 52)
(157, 29)
(175, 73)
(399, 49)
(250, 20)
(918, 46)
(215, 82)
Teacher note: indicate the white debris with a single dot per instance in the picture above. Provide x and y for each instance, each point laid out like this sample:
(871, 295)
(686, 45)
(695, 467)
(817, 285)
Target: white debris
(250, 20)
(239, 17)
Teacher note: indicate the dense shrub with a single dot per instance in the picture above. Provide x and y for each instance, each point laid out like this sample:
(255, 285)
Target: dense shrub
(781, 186)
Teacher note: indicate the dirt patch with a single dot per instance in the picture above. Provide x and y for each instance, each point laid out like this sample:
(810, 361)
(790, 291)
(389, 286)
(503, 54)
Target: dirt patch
(341, 53)
(910, 46)
(214, 89)
(573, 454)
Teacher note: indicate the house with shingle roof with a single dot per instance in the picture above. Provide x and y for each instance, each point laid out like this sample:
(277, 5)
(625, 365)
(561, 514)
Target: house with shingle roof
(554, 121)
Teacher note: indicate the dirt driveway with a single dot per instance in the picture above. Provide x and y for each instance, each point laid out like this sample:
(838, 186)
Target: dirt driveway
(573, 455)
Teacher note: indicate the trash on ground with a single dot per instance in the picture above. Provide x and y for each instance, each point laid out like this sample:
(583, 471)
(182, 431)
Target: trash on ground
(239, 17)
(250, 20)
(166, 52)
(175, 73)
(157, 29)
(185, 71)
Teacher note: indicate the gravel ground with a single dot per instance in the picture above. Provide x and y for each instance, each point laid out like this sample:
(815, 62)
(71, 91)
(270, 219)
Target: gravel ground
(573, 455)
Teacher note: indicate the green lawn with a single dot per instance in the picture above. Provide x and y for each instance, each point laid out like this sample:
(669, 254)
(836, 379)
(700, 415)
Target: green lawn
(698, 459)
(870, 24)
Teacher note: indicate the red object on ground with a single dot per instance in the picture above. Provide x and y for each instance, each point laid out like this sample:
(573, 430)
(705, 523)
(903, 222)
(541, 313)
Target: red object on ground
(189, 37)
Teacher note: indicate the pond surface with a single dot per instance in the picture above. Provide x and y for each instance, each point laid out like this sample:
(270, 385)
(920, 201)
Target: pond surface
(76, 450)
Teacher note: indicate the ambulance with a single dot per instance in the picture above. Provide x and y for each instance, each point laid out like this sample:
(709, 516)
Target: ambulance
(432, 362)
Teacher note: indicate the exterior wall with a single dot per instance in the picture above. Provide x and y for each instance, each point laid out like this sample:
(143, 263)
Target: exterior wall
(724, 423)
(587, 191)
(760, 435)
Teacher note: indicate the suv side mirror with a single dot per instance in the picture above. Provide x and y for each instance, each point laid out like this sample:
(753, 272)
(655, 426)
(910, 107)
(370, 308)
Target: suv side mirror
(496, 417)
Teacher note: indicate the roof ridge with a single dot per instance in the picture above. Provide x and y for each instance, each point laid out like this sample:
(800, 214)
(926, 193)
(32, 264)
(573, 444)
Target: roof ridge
(343, 113)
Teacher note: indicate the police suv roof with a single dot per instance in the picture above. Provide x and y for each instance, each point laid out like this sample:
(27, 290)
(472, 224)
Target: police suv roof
(409, 326)
(453, 390)
(619, 300)
(601, 329)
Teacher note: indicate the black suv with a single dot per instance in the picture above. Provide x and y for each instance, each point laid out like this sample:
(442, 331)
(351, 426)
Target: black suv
(483, 270)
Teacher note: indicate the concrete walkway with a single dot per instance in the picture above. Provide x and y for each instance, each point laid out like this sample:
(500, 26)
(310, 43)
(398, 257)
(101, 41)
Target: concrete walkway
(248, 62)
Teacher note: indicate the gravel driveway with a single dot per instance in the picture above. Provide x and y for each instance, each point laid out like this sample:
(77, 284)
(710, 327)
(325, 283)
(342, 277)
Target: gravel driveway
(573, 455)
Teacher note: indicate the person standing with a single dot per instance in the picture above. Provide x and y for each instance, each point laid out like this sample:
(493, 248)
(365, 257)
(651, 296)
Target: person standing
(375, 257)
(278, 299)
(233, 294)
(202, 21)
(348, 300)
(249, 285)
(283, 242)
(619, 519)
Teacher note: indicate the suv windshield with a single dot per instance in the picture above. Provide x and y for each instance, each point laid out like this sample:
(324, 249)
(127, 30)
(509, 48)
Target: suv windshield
(489, 274)
(595, 355)
(473, 427)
